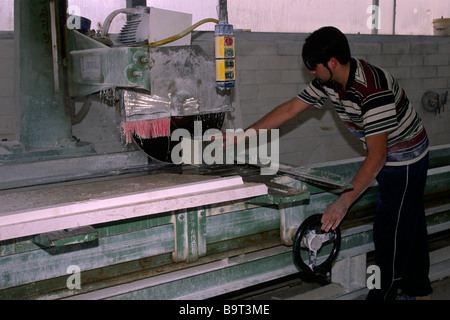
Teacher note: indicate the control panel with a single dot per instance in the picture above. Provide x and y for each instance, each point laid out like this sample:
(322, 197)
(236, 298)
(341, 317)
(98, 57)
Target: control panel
(225, 57)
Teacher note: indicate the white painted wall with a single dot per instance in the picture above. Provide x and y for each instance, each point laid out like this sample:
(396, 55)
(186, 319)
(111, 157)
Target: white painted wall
(414, 17)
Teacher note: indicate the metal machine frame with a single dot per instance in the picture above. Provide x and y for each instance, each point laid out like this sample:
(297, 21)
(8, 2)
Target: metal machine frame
(204, 251)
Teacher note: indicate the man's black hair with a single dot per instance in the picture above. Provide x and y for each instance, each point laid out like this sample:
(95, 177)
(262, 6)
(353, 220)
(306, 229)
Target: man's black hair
(322, 45)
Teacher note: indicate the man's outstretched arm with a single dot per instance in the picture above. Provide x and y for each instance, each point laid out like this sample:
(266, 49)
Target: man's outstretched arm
(280, 114)
(372, 165)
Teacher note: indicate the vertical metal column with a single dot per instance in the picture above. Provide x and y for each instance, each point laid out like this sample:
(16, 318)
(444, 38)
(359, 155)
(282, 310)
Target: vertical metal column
(377, 4)
(190, 235)
(40, 91)
(394, 19)
(223, 11)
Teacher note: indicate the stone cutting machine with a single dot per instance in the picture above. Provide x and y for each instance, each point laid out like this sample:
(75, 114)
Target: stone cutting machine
(158, 230)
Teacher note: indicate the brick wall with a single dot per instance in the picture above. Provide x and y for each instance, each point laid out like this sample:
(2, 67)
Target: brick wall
(270, 71)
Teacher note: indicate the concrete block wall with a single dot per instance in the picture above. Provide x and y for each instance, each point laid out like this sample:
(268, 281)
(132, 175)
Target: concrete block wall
(7, 110)
(270, 71)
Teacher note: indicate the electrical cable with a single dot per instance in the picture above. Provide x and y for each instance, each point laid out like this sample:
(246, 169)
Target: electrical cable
(182, 34)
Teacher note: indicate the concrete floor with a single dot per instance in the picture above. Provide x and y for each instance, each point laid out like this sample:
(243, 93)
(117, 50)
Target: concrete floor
(441, 289)
(308, 289)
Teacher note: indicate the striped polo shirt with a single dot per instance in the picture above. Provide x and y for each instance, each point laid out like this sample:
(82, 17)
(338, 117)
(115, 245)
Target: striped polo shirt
(372, 103)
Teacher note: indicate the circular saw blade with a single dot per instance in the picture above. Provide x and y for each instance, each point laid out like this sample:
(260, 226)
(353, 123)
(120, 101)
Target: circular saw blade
(160, 149)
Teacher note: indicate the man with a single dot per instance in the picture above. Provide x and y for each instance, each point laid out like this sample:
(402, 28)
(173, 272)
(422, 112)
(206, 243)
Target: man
(376, 110)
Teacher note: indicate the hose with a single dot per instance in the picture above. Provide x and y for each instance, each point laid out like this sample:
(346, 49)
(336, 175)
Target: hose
(182, 34)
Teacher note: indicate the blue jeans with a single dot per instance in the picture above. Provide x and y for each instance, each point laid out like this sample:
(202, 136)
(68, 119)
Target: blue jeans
(400, 232)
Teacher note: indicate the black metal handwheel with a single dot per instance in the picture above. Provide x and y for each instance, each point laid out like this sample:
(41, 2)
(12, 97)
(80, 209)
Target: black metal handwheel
(309, 240)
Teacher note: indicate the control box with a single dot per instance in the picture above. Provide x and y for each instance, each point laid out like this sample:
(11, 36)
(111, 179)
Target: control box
(225, 56)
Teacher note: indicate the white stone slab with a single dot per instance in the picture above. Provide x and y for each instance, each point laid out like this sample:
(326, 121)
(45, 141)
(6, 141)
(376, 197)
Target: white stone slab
(20, 216)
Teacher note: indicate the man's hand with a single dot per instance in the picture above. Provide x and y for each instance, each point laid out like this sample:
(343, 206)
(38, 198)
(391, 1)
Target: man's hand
(333, 214)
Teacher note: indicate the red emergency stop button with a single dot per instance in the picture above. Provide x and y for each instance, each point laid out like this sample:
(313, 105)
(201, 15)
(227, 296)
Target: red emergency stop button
(229, 41)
